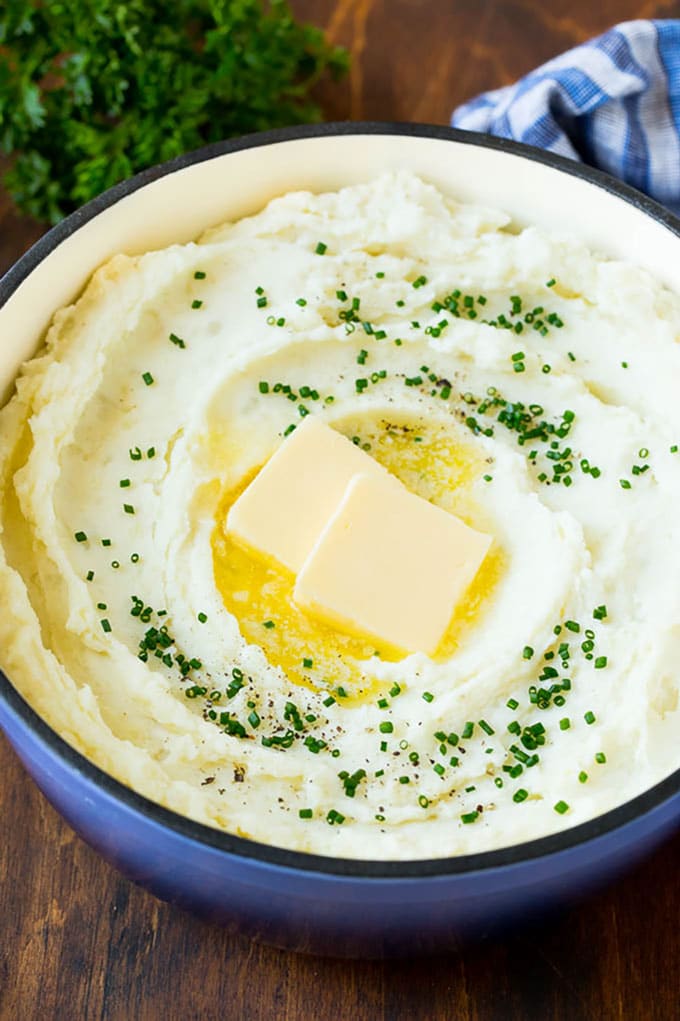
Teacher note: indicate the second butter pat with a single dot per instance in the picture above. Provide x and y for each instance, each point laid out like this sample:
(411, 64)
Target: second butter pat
(390, 565)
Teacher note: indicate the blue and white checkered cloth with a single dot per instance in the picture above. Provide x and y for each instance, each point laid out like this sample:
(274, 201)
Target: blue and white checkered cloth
(613, 102)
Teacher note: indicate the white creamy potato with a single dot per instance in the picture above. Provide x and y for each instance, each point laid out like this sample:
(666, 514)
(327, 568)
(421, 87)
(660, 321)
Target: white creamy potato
(516, 380)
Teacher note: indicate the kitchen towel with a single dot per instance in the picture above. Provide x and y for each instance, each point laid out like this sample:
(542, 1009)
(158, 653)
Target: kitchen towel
(613, 102)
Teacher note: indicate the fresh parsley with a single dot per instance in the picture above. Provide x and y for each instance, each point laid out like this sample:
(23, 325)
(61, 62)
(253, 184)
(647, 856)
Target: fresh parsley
(92, 91)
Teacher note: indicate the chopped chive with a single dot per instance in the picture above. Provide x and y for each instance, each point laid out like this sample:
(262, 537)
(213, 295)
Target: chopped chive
(124, 483)
(202, 617)
(263, 386)
(148, 378)
(583, 777)
(600, 662)
(428, 696)
(600, 757)
(90, 576)
(520, 795)
(177, 341)
(105, 625)
(468, 817)
(321, 248)
(589, 717)
(80, 536)
(128, 508)
(527, 652)
(561, 807)
(269, 624)
(196, 303)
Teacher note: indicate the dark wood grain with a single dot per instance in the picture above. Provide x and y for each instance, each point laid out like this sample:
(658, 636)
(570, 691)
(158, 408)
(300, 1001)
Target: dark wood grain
(79, 942)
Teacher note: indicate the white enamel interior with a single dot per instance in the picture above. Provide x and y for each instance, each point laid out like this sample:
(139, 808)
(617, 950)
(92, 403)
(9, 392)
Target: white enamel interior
(180, 205)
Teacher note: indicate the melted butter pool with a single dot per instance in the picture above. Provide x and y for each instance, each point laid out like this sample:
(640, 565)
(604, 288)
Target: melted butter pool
(432, 461)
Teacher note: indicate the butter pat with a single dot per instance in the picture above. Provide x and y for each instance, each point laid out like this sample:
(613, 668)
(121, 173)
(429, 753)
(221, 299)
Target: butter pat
(390, 565)
(288, 504)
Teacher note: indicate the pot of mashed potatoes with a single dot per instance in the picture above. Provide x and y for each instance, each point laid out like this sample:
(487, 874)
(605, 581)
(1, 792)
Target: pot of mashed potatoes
(513, 380)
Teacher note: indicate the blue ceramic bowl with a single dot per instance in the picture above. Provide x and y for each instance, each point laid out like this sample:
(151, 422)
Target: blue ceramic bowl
(300, 901)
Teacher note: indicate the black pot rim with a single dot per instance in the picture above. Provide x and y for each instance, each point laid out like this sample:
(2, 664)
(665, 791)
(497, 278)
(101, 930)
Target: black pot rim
(352, 868)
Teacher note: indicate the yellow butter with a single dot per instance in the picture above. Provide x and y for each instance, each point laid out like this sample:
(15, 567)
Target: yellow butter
(390, 565)
(288, 504)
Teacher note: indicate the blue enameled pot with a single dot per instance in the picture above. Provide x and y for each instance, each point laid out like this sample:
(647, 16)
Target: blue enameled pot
(307, 902)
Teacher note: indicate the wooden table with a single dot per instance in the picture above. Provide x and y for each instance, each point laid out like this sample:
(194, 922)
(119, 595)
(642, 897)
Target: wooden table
(77, 941)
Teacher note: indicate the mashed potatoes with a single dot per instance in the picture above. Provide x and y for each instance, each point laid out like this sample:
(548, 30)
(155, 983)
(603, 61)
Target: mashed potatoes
(517, 380)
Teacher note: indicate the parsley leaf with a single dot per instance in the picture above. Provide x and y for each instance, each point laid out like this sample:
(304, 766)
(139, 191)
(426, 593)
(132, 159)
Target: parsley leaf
(92, 91)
